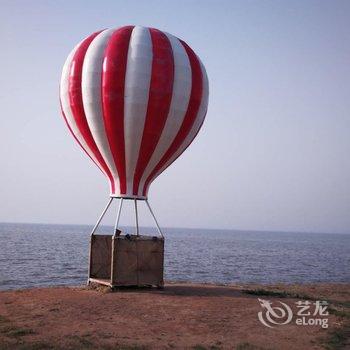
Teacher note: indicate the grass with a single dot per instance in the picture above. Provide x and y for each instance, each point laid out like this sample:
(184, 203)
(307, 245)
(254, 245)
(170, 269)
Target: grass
(277, 294)
(248, 346)
(130, 347)
(35, 346)
(10, 330)
(345, 304)
(285, 294)
(81, 342)
(3, 320)
(19, 332)
(77, 343)
(339, 313)
(339, 338)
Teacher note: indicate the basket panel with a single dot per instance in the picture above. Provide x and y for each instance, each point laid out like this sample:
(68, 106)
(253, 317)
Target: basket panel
(101, 246)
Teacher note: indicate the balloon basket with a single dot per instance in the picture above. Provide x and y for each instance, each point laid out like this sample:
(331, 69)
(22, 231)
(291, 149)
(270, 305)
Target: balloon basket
(126, 260)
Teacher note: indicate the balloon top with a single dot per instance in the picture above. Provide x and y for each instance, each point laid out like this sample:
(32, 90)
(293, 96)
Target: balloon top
(134, 98)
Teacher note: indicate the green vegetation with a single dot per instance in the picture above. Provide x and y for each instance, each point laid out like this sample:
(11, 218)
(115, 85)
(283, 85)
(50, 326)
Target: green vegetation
(9, 330)
(19, 332)
(3, 319)
(339, 338)
(248, 346)
(34, 346)
(128, 347)
(277, 294)
(202, 347)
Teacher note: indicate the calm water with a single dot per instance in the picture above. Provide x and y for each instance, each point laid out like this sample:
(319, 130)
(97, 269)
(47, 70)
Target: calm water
(39, 255)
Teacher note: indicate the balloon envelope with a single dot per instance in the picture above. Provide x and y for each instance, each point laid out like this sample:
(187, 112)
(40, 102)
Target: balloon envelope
(134, 98)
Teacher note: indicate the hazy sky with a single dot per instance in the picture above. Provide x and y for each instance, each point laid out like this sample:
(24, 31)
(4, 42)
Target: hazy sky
(273, 153)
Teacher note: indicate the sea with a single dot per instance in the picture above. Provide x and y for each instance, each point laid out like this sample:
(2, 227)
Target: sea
(35, 255)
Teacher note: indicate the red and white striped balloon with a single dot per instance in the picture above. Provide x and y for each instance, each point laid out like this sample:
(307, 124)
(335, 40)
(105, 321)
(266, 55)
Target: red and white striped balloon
(134, 98)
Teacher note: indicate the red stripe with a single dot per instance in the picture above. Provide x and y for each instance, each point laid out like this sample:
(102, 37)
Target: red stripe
(113, 85)
(145, 190)
(70, 129)
(191, 113)
(76, 103)
(159, 99)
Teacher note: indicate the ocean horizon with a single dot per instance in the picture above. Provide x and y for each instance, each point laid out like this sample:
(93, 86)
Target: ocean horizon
(36, 255)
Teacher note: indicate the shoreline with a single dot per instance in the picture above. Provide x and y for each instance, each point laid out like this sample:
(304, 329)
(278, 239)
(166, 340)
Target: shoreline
(184, 282)
(182, 316)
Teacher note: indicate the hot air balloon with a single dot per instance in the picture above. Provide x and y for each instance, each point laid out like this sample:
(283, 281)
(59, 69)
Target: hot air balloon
(134, 98)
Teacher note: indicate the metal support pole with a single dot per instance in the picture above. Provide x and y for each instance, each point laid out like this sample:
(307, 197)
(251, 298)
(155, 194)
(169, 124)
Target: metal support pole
(102, 215)
(154, 218)
(118, 216)
(92, 236)
(136, 218)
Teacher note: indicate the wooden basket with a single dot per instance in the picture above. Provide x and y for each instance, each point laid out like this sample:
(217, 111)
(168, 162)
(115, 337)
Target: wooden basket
(128, 260)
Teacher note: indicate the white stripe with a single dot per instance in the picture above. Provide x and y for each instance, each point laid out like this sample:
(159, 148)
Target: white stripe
(64, 97)
(195, 127)
(91, 91)
(137, 84)
(178, 106)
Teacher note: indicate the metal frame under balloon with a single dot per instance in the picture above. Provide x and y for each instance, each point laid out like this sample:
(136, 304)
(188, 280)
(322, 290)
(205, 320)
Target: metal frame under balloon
(119, 212)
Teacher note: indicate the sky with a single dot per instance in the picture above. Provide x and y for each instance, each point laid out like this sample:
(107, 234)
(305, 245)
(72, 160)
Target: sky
(273, 153)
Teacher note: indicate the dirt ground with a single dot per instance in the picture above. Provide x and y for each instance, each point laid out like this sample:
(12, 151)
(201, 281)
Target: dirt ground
(182, 316)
